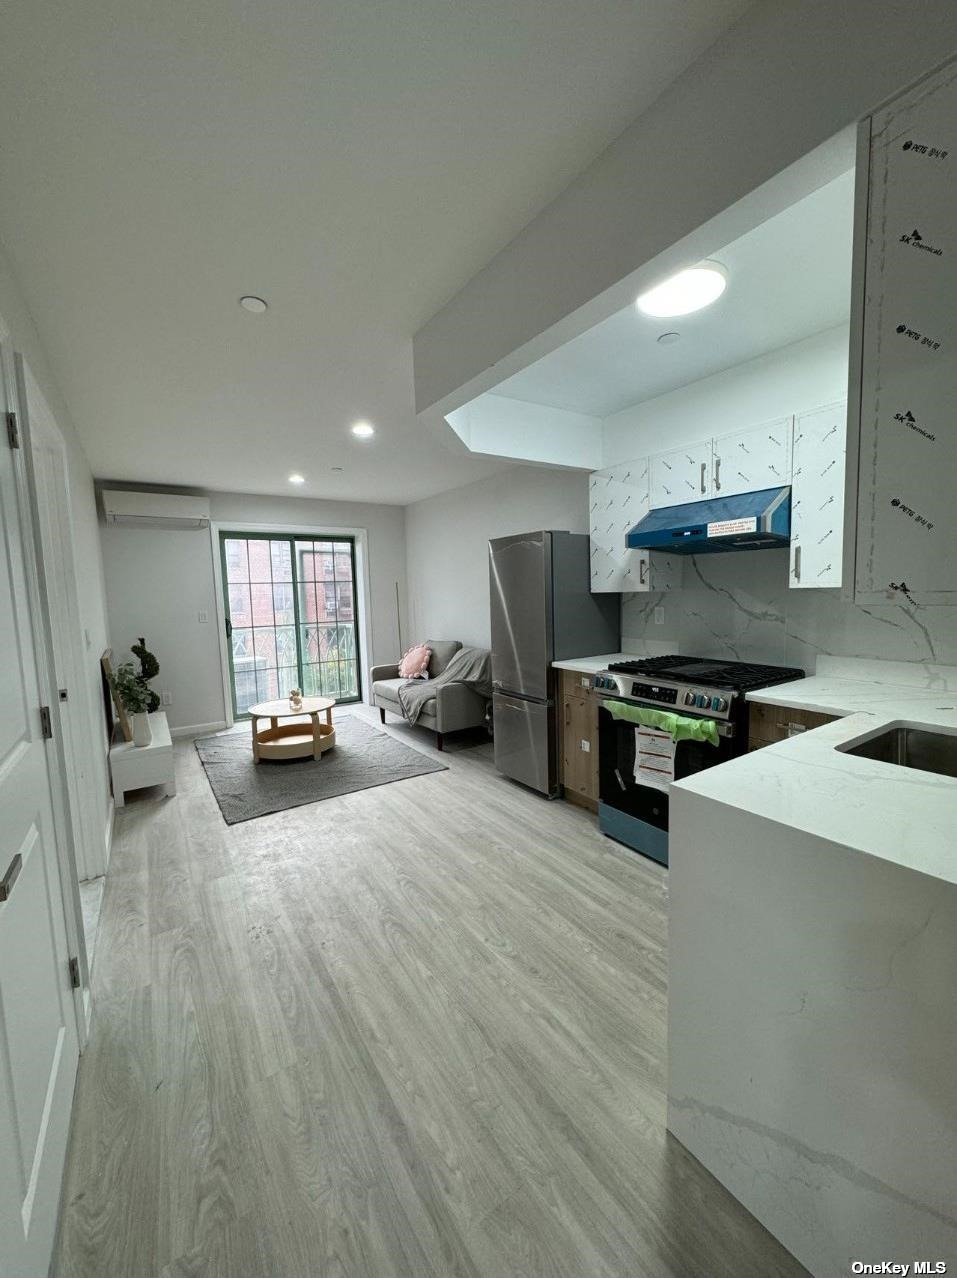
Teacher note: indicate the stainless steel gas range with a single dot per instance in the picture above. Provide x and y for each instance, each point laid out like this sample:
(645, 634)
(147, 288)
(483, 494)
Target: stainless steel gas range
(636, 763)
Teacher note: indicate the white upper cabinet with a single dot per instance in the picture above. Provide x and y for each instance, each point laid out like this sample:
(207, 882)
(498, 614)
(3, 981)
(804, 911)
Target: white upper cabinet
(752, 459)
(618, 499)
(682, 475)
(817, 497)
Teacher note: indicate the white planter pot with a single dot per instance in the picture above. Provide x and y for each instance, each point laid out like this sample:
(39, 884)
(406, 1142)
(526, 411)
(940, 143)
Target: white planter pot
(142, 732)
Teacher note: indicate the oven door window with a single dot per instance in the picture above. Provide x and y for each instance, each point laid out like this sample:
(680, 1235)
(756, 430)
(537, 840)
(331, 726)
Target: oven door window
(616, 769)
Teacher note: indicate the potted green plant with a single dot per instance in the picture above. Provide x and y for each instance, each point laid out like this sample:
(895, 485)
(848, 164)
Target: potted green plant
(135, 696)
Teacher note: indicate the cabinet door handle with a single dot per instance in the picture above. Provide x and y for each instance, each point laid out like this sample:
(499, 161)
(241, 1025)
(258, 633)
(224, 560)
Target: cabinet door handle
(717, 475)
(797, 562)
(10, 878)
(703, 468)
(643, 572)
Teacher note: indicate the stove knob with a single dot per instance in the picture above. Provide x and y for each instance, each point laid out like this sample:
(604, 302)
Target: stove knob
(690, 699)
(718, 703)
(701, 700)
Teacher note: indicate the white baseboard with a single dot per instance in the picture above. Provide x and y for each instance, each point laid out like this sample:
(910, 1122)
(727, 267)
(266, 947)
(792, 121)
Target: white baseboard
(198, 729)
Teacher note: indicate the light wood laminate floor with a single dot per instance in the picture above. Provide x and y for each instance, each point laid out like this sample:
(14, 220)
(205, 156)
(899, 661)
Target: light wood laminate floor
(418, 1030)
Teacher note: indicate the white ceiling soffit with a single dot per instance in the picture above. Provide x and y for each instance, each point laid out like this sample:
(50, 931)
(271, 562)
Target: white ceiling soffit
(788, 278)
(515, 430)
(352, 164)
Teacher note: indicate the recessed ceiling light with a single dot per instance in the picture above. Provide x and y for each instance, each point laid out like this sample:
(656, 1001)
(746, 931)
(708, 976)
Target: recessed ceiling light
(669, 339)
(254, 304)
(363, 430)
(297, 479)
(688, 291)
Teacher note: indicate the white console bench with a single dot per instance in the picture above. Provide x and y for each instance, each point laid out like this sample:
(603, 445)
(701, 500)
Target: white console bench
(133, 767)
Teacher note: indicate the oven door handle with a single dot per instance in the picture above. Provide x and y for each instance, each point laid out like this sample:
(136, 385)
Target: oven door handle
(727, 730)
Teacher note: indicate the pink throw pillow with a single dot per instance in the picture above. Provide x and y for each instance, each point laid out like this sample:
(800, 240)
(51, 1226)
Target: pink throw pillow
(415, 663)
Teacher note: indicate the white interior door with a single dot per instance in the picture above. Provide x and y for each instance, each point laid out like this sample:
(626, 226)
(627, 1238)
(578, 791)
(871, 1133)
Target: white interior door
(39, 1045)
(53, 509)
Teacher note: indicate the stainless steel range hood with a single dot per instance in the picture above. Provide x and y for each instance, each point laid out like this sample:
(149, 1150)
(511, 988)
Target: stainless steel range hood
(743, 521)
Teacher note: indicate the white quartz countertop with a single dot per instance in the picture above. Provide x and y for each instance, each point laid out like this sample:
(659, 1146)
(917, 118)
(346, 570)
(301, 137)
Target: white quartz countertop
(592, 665)
(901, 815)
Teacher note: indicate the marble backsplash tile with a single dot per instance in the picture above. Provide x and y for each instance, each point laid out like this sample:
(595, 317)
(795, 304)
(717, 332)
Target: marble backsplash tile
(739, 606)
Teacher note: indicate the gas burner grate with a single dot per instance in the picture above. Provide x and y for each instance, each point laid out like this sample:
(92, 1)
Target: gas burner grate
(741, 675)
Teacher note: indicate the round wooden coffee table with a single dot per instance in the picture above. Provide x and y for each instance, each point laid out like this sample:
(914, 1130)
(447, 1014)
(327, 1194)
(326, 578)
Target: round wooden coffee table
(293, 740)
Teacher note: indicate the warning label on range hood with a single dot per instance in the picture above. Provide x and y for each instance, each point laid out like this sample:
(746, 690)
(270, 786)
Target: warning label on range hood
(728, 527)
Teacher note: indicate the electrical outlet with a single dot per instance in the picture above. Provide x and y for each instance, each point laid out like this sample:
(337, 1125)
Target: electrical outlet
(202, 617)
(166, 697)
(586, 746)
(585, 681)
(659, 616)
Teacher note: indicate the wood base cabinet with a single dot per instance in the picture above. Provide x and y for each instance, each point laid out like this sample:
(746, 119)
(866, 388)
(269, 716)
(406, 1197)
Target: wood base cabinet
(579, 739)
(768, 724)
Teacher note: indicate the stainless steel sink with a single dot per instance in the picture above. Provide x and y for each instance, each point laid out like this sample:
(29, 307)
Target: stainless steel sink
(910, 748)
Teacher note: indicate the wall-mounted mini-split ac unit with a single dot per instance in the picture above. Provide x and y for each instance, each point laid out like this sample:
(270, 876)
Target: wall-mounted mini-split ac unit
(155, 510)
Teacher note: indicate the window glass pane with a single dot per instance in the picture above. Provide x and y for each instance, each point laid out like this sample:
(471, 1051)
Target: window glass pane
(262, 605)
(237, 568)
(344, 600)
(346, 649)
(260, 564)
(267, 684)
(288, 679)
(283, 604)
(264, 642)
(286, 646)
(309, 639)
(242, 643)
(349, 679)
(343, 567)
(330, 678)
(311, 682)
(240, 613)
(343, 548)
(281, 554)
(307, 602)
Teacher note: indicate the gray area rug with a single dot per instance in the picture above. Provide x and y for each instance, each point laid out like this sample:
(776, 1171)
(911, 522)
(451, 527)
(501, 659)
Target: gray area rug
(362, 757)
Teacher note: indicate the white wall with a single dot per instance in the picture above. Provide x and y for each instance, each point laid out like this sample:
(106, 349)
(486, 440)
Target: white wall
(159, 580)
(17, 329)
(447, 544)
(791, 380)
(783, 81)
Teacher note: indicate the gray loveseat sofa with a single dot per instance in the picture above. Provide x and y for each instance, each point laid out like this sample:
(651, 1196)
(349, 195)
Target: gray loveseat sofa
(454, 707)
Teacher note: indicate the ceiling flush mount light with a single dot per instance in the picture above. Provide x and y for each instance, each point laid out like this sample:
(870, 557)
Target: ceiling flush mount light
(689, 290)
(363, 430)
(296, 478)
(669, 339)
(255, 305)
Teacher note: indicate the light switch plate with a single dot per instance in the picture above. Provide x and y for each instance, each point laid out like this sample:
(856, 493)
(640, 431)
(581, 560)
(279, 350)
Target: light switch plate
(202, 617)
(586, 746)
(586, 682)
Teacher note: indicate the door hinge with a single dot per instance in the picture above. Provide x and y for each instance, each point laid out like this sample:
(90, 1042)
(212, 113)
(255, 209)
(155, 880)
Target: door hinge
(74, 973)
(13, 430)
(46, 723)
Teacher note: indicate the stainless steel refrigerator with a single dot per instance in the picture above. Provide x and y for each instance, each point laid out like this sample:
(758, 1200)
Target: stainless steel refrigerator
(542, 611)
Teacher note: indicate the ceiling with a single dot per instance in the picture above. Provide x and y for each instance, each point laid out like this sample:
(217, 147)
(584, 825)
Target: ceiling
(788, 278)
(352, 163)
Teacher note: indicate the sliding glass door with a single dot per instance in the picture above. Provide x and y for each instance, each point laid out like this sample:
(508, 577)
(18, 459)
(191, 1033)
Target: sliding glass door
(290, 617)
